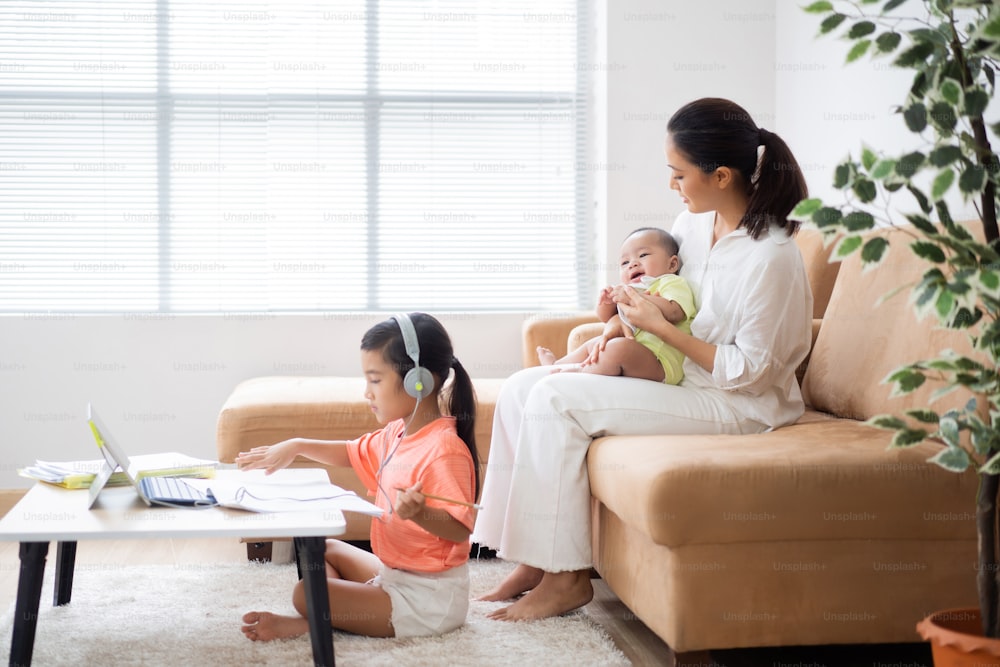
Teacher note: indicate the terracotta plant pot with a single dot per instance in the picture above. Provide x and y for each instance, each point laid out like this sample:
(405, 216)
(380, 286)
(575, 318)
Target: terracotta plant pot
(956, 637)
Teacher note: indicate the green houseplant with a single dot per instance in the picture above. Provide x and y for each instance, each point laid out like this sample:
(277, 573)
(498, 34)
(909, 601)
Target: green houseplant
(953, 49)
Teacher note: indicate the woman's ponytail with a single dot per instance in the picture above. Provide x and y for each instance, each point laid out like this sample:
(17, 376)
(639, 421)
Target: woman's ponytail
(776, 188)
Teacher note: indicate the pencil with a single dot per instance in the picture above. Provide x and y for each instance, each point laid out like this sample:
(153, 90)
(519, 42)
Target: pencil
(449, 500)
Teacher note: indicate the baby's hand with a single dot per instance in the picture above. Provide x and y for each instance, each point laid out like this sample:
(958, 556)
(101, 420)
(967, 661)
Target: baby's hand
(605, 298)
(617, 292)
(410, 502)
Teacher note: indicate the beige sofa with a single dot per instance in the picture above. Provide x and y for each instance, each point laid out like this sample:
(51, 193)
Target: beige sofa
(811, 534)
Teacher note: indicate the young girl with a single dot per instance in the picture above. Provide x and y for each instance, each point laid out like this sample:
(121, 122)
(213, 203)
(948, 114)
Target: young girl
(416, 581)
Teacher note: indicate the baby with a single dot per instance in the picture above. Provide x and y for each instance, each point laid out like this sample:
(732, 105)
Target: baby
(649, 264)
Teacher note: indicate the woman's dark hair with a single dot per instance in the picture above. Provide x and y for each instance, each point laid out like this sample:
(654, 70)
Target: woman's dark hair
(437, 356)
(713, 132)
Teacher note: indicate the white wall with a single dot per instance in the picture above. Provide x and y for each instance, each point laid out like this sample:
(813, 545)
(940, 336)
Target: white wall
(663, 55)
(827, 109)
(160, 381)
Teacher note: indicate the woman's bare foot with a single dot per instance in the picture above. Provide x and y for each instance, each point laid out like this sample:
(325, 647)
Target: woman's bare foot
(263, 626)
(522, 579)
(557, 593)
(545, 356)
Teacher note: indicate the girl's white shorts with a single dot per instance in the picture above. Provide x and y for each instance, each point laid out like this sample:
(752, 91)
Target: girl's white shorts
(426, 603)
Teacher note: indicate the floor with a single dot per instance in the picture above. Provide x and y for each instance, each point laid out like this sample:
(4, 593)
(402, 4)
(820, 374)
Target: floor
(634, 639)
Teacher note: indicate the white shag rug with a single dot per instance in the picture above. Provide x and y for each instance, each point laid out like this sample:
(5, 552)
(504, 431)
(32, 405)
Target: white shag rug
(190, 615)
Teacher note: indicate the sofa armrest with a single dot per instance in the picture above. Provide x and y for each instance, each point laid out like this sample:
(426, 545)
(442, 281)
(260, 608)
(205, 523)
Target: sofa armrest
(550, 332)
(581, 333)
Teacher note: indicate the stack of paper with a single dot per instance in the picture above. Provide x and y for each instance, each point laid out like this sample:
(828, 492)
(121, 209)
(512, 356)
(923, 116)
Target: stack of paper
(79, 474)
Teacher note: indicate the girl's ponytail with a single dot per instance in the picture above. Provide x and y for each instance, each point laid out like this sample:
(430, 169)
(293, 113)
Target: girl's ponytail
(461, 401)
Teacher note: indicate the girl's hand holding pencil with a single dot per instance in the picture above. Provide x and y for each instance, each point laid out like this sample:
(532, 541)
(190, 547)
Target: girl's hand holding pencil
(410, 501)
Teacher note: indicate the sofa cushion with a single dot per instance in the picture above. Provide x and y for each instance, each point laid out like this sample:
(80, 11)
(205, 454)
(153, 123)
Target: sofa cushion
(865, 336)
(822, 478)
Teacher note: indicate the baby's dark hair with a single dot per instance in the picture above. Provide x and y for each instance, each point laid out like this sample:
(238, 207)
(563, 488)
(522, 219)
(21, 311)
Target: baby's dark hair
(436, 355)
(664, 238)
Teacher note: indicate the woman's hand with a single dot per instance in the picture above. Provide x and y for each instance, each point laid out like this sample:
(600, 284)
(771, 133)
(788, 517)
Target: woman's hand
(641, 312)
(270, 457)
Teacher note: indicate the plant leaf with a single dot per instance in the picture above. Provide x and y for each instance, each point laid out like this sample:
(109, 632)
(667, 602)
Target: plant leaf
(908, 437)
(842, 175)
(868, 158)
(942, 156)
(827, 217)
(882, 168)
(819, 7)
(807, 207)
(915, 55)
(945, 305)
(887, 422)
(948, 429)
(892, 4)
(846, 246)
(922, 223)
(905, 381)
(865, 190)
(943, 116)
(951, 91)
(858, 50)
(909, 164)
(924, 415)
(873, 250)
(861, 29)
(991, 467)
(976, 101)
(888, 41)
(942, 183)
(972, 179)
(954, 459)
(858, 221)
(831, 22)
(929, 251)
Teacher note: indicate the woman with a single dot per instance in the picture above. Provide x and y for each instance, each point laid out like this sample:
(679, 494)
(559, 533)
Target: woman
(752, 330)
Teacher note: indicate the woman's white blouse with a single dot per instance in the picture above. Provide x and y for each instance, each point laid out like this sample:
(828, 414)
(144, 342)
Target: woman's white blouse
(755, 304)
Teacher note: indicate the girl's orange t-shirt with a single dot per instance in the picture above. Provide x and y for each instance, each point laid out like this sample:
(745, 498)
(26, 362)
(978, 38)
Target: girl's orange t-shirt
(437, 456)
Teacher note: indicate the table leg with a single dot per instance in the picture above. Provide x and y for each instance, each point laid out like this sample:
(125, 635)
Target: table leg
(310, 552)
(65, 564)
(29, 593)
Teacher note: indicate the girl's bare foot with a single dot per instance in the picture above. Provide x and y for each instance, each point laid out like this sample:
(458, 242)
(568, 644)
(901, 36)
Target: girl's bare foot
(545, 356)
(557, 593)
(263, 626)
(522, 579)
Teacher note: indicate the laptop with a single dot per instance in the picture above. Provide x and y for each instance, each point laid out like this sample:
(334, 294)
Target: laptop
(154, 490)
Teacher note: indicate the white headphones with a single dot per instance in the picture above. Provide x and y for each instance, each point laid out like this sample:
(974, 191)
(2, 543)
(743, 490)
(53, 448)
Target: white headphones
(418, 381)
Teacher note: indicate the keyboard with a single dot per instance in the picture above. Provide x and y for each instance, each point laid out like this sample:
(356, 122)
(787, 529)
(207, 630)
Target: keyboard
(173, 491)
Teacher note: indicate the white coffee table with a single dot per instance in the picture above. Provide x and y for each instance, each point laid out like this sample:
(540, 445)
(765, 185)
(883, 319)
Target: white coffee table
(52, 514)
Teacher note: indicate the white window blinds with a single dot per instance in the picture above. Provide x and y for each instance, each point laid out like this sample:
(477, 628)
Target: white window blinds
(293, 156)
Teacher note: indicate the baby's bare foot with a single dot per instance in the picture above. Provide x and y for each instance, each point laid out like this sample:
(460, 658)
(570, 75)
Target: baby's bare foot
(545, 356)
